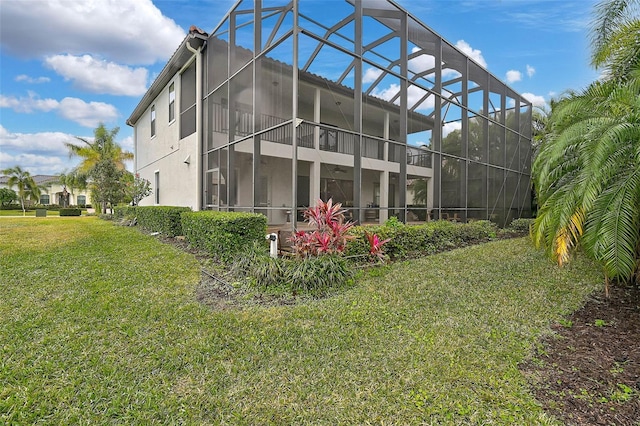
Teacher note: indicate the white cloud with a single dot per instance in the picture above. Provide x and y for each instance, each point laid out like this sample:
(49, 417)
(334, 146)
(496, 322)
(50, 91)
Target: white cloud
(99, 76)
(124, 31)
(388, 93)
(38, 153)
(87, 114)
(127, 143)
(450, 127)
(422, 62)
(51, 143)
(32, 80)
(28, 104)
(536, 100)
(474, 54)
(370, 75)
(415, 94)
(513, 76)
(530, 71)
(34, 164)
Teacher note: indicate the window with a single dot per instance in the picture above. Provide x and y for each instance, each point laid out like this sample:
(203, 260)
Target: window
(157, 185)
(82, 200)
(188, 101)
(153, 120)
(172, 103)
(44, 199)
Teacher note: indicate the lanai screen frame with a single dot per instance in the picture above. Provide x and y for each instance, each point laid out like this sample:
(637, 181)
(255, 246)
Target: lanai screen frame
(480, 154)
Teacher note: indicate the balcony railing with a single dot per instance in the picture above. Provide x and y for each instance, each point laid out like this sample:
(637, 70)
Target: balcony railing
(331, 139)
(418, 157)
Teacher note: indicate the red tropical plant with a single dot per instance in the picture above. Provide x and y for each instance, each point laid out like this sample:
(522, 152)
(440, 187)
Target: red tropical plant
(375, 245)
(330, 235)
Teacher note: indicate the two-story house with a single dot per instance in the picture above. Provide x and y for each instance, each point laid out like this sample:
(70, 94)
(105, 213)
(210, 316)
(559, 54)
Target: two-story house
(287, 102)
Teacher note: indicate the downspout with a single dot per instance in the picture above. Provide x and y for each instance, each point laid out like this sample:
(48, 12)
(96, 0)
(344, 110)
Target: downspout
(198, 54)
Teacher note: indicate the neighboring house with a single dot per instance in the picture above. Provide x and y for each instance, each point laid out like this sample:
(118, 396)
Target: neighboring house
(282, 105)
(52, 192)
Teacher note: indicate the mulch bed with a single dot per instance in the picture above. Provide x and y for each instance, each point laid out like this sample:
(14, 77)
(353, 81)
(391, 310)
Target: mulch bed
(588, 372)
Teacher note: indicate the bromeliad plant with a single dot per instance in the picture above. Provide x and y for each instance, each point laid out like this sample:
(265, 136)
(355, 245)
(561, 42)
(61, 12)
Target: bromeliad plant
(331, 233)
(375, 246)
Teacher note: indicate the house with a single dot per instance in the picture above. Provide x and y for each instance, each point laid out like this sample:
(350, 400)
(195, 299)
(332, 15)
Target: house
(52, 192)
(285, 103)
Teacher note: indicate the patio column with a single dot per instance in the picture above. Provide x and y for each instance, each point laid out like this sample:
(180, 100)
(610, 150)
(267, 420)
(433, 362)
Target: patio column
(384, 195)
(314, 182)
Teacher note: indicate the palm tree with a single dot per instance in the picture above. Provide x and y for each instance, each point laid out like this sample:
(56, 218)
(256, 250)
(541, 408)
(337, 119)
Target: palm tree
(27, 187)
(95, 156)
(72, 180)
(588, 178)
(614, 38)
(587, 172)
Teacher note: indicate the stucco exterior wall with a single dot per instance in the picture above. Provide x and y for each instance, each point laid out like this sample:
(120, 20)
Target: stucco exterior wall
(174, 159)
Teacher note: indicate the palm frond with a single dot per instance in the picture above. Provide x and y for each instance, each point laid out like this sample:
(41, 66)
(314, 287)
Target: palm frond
(609, 14)
(613, 231)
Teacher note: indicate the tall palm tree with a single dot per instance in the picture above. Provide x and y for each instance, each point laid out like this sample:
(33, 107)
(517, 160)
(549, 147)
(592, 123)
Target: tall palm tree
(614, 37)
(99, 155)
(27, 187)
(103, 147)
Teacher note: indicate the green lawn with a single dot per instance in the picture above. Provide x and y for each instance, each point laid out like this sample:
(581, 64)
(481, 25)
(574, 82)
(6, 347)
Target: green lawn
(29, 213)
(99, 325)
(32, 213)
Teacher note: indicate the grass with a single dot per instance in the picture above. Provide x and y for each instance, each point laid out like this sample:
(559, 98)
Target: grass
(29, 213)
(32, 213)
(98, 325)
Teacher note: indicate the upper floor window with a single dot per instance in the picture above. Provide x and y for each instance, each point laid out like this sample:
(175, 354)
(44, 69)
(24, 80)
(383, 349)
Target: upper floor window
(188, 101)
(153, 120)
(172, 103)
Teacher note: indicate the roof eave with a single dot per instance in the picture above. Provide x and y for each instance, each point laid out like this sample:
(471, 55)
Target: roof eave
(179, 58)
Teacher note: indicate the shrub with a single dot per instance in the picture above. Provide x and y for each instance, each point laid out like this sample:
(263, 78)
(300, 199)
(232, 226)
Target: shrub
(242, 265)
(70, 212)
(522, 226)
(163, 219)
(223, 234)
(316, 274)
(480, 230)
(419, 240)
(124, 212)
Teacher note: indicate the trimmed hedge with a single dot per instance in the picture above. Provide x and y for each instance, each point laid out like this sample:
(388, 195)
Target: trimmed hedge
(124, 212)
(517, 228)
(70, 212)
(163, 219)
(520, 225)
(223, 234)
(418, 240)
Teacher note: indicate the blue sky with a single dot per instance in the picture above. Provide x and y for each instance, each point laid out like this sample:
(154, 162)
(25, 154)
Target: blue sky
(68, 65)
